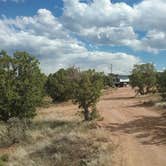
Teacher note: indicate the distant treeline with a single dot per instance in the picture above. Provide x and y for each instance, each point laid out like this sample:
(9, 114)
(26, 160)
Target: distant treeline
(23, 85)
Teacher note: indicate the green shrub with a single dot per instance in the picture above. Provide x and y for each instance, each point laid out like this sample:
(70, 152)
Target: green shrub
(94, 113)
(143, 77)
(1, 163)
(60, 84)
(87, 91)
(21, 86)
(108, 80)
(162, 84)
(4, 157)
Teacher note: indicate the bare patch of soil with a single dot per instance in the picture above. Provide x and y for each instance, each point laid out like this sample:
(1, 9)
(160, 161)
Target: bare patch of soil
(139, 128)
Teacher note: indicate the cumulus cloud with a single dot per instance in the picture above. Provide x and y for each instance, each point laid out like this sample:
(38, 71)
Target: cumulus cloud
(56, 41)
(109, 23)
(45, 36)
(101, 61)
(109, 35)
(150, 15)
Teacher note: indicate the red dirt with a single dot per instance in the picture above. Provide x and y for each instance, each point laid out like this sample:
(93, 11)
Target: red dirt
(139, 130)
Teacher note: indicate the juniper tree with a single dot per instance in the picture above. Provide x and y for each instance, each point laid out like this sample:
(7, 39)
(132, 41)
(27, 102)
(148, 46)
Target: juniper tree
(162, 84)
(60, 84)
(83, 88)
(87, 91)
(21, 85)
(143, 77)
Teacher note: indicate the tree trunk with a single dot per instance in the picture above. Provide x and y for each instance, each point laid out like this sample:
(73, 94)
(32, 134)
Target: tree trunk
(141, 91)
(86, 113)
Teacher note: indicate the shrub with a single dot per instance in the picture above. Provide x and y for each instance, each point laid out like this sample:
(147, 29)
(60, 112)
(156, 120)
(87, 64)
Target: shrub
(94, 113)
(143, 77)
(161, 80)
(60, 84)
(84, 88)
(1, 163)
(21, 85)
(13, 131)
(4, 157)
(108, 80)
(87, 91)
(16, 129)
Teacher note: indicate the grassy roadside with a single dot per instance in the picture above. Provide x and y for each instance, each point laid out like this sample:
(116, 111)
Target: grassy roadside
(58, 137)
(154, 101)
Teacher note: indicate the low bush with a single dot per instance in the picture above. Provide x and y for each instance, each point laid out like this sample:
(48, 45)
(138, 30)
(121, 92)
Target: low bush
(60, 84)
(143, 78)
(3, 159)
(162, 84)
(13, 131)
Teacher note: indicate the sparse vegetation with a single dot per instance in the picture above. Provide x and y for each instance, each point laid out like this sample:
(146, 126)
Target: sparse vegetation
(14, 131)
(57, 136)
(83, 88)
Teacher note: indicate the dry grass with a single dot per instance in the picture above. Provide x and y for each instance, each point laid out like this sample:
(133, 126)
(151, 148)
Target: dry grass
(59, 137)
(154, 101)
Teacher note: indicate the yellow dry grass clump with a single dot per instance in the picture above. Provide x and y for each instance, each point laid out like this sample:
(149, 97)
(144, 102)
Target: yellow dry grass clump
(59, 137)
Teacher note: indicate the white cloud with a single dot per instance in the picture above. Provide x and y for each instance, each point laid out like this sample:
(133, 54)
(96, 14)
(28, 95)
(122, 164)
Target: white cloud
(101, 61)
(109, 35)
(44, 36)
(117, 24)
(104, 23)
(150, 15)
(100, 13)
(98, 60)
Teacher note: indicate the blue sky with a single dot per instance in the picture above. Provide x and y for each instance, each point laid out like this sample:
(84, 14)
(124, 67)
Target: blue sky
(29, 7)
(86, 33)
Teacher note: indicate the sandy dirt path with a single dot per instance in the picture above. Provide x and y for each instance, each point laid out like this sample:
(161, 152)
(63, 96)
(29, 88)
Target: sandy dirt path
(139, 130)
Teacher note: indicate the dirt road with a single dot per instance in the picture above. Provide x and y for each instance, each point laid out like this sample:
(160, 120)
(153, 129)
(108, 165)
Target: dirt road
(138, 129)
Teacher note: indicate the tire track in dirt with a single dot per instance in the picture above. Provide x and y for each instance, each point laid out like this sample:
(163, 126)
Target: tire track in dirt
(141, 132)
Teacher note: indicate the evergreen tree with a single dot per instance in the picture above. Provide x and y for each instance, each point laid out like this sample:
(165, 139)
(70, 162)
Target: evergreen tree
(21, 85)
(87, 91)
(162, 84)
(60, 84)
(143, 77)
